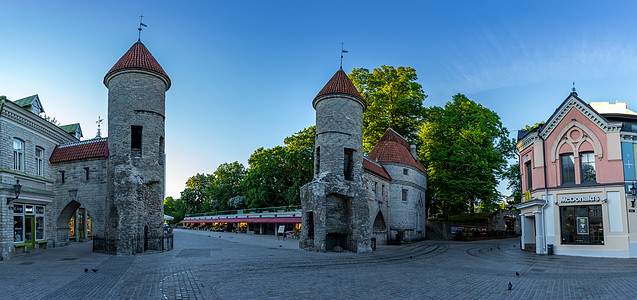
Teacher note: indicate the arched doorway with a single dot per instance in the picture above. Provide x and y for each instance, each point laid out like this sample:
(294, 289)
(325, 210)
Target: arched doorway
(379, 229)
(74, 224)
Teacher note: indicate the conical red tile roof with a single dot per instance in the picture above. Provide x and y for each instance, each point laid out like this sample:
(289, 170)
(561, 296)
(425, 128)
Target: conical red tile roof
(138, 57)
(394, 148)
(340, 84)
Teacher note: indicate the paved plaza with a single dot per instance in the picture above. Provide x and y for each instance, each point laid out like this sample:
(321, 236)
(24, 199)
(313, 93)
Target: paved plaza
(212, 265)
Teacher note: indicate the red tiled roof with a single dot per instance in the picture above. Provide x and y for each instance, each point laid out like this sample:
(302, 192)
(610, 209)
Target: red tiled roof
(375, 168)
(138, 57)
(394, 148)
(340, 84)
(80, 150)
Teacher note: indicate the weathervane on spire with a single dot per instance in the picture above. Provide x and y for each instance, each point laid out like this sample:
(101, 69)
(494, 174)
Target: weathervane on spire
(139, 37)
(342, 52)
(99, 122)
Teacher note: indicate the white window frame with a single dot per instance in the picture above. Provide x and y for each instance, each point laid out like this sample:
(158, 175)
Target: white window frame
(39, 161)
(18, 155)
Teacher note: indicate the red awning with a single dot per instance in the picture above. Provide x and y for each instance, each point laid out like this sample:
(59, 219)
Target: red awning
(288, 220)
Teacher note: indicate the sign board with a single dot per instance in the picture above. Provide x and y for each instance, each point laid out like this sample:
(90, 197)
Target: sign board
(281, 229)
(527, 196)
(582, 225)
(580, 199)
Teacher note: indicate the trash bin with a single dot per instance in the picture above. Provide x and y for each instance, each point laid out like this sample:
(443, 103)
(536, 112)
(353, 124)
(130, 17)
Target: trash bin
(549, 249)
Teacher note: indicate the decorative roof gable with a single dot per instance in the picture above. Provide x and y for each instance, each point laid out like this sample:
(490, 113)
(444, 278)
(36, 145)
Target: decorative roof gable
(138, 58)
(31, 103)
(573, 101)
(392, 147)
(80, 150)
(73, 129)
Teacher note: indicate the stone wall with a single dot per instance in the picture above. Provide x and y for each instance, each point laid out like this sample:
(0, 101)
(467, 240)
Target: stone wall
(135, 176)
(408, 217)
(77, 191)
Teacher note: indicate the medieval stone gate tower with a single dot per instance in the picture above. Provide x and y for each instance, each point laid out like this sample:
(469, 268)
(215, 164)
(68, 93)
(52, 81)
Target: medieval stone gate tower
(136, 172)
(335, 209)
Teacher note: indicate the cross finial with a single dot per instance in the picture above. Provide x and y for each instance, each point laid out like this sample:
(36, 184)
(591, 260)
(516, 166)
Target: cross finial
(141, 24)
(99, 123)
(342, 52)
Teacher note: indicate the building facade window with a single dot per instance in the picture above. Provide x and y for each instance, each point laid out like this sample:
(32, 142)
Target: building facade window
(404, 194)
(582, 224)
(18, 155)
(39, 161)
(348, 164)
(567, 163)
(529, 176)
(405, 172)
(136, 140)
(18, 223)
(587, 164)
(86, 172)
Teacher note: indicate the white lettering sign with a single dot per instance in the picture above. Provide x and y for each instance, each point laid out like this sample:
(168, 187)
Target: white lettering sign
(579, 199)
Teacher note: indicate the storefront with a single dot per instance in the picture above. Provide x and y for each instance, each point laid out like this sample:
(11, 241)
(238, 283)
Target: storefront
(575, 181)
(29, 229)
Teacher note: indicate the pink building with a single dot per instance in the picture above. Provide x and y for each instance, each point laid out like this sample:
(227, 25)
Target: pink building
(577, 170)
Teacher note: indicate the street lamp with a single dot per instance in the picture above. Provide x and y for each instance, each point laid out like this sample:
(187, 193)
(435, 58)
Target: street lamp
(17, 187)
(633, 192)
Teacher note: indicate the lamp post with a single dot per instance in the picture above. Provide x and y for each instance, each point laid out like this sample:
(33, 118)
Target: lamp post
(17, 187)
(633, 192)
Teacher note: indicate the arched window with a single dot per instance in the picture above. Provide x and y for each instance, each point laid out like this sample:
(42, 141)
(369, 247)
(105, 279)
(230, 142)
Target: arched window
(18, 155)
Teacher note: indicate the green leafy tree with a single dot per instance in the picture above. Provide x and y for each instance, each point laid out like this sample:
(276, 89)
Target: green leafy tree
(169, 206)
(227, 183)
(276, 175)
(394, 99)
(512, 174)
(465, 148)
(196, 195)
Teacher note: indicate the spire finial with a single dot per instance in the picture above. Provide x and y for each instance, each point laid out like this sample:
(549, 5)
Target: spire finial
(139, 37)
(574, 88)
(99, 123)
(342, 51)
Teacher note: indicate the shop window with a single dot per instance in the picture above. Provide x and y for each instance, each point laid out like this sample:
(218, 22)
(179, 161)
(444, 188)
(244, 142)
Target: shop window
(18, 155)
(348, 164)
(587, 164)
(529, 176)
(136, 140)
(567, 163)
(18, 223)
(581, 224)
(39, 159)
(39, 228)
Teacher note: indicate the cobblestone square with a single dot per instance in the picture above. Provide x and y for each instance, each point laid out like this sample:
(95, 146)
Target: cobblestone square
(212, 265)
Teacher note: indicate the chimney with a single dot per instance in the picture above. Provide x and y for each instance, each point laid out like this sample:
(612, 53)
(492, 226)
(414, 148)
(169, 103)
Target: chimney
(413, 151)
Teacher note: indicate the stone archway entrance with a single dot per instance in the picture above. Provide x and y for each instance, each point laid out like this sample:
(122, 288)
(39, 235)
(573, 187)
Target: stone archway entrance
(74, 224)
(379, 229)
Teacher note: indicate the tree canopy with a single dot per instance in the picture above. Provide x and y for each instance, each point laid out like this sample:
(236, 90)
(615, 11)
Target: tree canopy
(465, 149)
(394, 99)
(277, 174)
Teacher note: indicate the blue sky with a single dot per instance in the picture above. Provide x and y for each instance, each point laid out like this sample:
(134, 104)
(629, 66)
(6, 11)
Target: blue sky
(244, 73)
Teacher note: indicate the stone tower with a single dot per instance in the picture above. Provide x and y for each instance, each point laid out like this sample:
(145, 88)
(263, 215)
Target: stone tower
(335, 210)
(137, 85)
